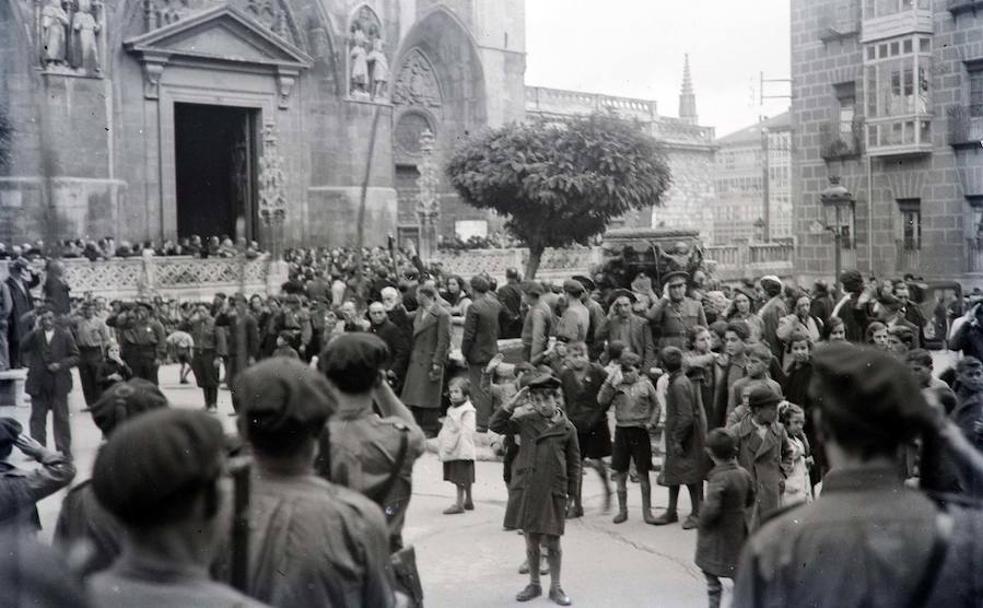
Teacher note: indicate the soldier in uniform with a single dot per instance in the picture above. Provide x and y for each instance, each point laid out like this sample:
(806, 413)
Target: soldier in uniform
(92, 337)
(675, 314)
(142, 340)
(204, 360)
(869, 540)
(243, 340)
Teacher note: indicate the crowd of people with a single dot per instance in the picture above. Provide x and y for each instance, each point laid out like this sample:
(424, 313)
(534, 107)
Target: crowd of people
(106, 248)
(807, 427)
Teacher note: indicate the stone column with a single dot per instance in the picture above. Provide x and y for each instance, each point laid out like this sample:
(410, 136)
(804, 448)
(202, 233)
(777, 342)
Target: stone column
(428, 203)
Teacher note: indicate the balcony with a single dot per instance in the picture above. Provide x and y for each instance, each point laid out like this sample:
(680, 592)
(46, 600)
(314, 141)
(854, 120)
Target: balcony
(841, 140)
(905, 21)
(899, 135)
(962, 129)
(958, 7)
(837, 27)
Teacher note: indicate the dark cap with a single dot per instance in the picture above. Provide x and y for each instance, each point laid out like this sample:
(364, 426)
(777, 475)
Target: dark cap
(675, 274)
(533, 288)
(353, 360)
(967, 363)
(147, 305)
(280, 394)
(125, 400)
(588, 284)
(762, 396)
(538, 381)
(149, 465)
(572, 287)
(875, 394)
(20, 263)
(621, 293)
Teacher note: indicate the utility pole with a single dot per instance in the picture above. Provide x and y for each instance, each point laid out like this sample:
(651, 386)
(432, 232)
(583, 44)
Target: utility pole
(765, 186)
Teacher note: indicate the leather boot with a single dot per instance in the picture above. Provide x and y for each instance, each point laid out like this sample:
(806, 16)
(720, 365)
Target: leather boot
(622, 515)
(647, 504)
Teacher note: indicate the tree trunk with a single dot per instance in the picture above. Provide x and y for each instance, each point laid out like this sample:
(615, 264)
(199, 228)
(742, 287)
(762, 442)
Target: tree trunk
(532, 265)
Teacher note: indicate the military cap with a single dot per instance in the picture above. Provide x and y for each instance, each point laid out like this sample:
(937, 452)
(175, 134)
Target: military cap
(539, 381)
(588, 284)
(761, 396)
(533, 288)
(874, 392)
(675, 274)
(573, 287)
(125, 400)
(280, 394)
(622, 293)
(149, 465)
(10, 429)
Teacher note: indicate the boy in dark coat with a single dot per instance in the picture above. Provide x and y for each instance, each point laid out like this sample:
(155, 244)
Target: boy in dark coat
(545, 472)
(723, 527)
(686, 428)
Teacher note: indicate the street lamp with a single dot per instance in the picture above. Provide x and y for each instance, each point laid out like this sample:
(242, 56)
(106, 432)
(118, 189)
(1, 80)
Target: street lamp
(835, 197)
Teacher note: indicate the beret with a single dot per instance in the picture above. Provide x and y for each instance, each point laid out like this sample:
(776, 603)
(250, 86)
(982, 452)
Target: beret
(279, 395)
(123, 401)
(874, 391)
(150, 463)
(588, 284)
(573, 287)
(10, 429)
(675, 274)
(762, 396)
(353, 350)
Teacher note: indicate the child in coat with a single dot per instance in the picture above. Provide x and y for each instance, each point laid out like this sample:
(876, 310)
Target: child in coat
(723, 526)
(798, 488)
(283, 348)
(759, 359)
(112, 369)
(455, 444)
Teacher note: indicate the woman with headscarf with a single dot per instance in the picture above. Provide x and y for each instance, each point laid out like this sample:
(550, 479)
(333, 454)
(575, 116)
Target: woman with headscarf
(742, 308)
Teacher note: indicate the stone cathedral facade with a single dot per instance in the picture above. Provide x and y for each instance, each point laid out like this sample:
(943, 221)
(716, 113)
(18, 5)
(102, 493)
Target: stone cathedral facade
(159, 119)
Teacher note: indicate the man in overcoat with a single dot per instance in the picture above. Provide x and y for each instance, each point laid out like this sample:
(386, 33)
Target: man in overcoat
(53, 354)
(675, 314)
(480, 345)
(545, 472)
(624, 325)
(19, 283)
(425, 374)
(395, 338)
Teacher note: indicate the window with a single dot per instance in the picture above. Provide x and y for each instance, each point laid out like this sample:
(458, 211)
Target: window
(911, 224)
(976, 91)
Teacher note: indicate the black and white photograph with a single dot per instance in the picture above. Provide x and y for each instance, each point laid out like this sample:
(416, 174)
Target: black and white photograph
(488, 303)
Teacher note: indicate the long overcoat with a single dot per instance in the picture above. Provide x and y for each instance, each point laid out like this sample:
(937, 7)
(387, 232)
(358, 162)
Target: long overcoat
(545, 471)
(685, 432)
(723, 528)
(763, 459)
(431, 343)
(61, 350)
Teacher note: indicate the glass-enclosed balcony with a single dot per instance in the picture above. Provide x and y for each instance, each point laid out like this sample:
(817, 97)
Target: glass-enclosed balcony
(889, 18)
(897, 92)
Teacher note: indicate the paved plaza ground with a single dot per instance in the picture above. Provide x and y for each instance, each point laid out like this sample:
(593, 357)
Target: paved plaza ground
(468, 560)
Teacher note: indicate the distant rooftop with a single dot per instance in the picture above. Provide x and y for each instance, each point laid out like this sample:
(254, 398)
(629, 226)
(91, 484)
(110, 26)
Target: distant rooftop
(752, 134)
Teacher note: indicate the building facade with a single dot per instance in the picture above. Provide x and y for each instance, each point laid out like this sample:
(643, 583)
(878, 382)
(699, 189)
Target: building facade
(159, 119)
(888, 96)
(743, 160)
(689, 150)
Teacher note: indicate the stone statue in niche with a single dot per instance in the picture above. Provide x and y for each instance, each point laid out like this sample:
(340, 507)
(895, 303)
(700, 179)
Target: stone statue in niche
(54, 33)
(380, 69)
(159, 13)
(368, 66)
(86, 30)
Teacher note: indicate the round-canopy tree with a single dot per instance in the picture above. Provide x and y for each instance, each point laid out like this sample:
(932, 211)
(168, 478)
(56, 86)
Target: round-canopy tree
(560, 183)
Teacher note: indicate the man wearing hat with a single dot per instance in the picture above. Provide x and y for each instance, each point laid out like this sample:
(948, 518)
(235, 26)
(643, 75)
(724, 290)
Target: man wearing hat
(624, 325)
(311, 542)
(771, 313)
(884, 544)
(85, 529)
(545, 472)
(20, 283)
(510, 295)
(173, 525)
(53, 354)
(20, 490)
(296, 320)
(675, 314)
(892, 314)
(142, 339)
(428, 358)
(854, 307)
(480, 345)
(574, 324)
(538, 324)
(243, 339)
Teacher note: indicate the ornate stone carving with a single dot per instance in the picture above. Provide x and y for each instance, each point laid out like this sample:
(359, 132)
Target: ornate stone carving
(416, 83)
(159, 13)
(410, 127)
(274, 15)
(368, 65)
(69, 36)
(272, 198)
(428, 202)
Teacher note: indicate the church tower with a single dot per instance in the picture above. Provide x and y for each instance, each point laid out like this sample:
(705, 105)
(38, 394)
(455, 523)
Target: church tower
(687, 98)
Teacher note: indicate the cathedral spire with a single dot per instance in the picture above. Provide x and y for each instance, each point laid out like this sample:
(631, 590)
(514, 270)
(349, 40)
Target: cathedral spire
(687, 98)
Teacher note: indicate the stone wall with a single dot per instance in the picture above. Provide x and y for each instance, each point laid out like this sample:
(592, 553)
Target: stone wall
(934, 178)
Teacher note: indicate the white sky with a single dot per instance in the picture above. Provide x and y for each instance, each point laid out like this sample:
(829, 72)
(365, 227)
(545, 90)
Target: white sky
(634, 48)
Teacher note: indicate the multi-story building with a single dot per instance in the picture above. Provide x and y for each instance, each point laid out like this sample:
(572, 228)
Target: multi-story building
(888, 96)
(743, 158)
(689, 150)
